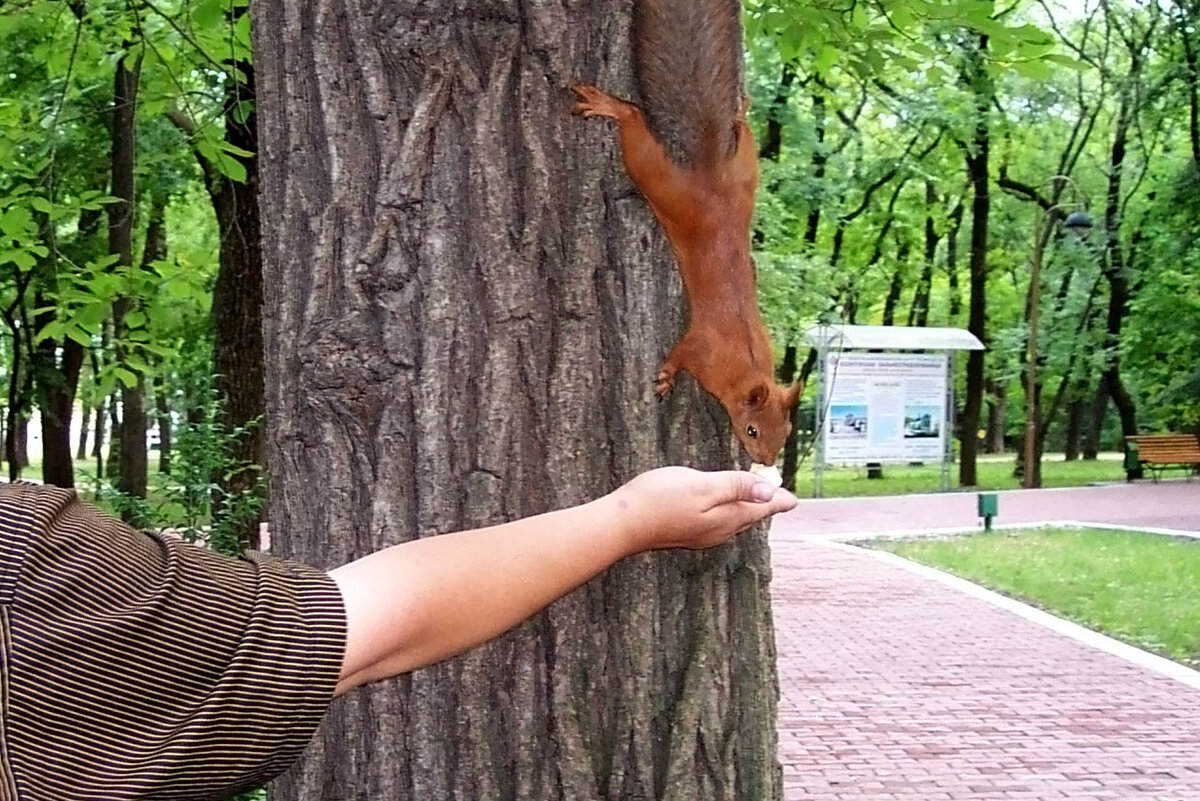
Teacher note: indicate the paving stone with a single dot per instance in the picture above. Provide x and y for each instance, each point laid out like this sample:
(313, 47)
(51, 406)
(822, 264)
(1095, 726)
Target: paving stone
(895, 687)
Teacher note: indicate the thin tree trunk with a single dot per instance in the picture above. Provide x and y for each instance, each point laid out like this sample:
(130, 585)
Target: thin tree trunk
(896, 288)
(977, 170)
(1095, 426)
(162, 419)
(1076, 412)
(997, 403)
(57, 365)
(112, 463)
(131, 477)
(1120, 293)
(59, 376)
(439, 365)
(85, 423)
(101, 415)
(918, 314)
(956, 218)
(17, 378)
(22, 443)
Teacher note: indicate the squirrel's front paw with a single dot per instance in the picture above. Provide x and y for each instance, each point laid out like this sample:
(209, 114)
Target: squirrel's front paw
(596, 103)
(664, 383)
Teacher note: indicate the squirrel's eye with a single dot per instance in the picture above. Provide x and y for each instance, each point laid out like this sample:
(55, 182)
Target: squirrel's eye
(751, 432)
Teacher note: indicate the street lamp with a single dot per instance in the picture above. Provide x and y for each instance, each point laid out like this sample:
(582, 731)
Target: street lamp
(1078, 222)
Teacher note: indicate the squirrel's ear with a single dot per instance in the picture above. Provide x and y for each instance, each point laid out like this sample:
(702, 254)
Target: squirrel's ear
(793, 395)
(757, 397)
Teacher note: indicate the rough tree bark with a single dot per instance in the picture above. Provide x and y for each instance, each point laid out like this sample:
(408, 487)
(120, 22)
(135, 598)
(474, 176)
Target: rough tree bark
(466, 303)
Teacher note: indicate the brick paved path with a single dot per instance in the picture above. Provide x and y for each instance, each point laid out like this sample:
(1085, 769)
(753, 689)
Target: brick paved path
(897, 688)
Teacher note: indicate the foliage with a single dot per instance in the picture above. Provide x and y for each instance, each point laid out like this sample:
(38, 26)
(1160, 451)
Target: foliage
(1133, 586)
(868, 109)
(191, 502)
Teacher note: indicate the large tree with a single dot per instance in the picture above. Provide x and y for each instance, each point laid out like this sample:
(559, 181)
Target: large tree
(466, 303)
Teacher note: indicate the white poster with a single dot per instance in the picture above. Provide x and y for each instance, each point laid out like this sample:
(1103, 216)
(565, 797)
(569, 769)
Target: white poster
(885, 407)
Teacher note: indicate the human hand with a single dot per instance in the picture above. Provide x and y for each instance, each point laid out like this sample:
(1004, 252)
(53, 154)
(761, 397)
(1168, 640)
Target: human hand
(677, 507)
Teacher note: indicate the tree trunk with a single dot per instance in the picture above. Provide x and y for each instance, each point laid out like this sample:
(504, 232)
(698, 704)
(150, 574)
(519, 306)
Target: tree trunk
(1115, 270)
(1095, 422)
(896, 288)
(21, 443)
(1076, 411)
(997, 404)
(1189, 17)
(466, 305)
(18, 380)
(85, 424)
(131, 477)
(956, 218)
(162, 419)
(112, 463)
(977, 171)
(238, 301)
(59, 377)
(918, 313)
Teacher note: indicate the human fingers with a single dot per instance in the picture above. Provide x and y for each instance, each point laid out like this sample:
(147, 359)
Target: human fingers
(740, 485)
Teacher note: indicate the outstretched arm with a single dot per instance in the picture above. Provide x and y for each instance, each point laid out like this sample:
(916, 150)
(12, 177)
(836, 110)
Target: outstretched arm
(423, 601)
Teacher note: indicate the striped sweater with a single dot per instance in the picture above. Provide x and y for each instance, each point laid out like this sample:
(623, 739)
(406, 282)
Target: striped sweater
(140, 667)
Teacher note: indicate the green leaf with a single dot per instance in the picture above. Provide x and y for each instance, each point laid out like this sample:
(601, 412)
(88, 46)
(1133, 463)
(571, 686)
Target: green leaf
(20, 257)
(209, 14)
(135, 319)
(242, 111)
(17, 222)
(80, 336)
(126, 377)
(41, 204)
(241, 31)
(826, 59)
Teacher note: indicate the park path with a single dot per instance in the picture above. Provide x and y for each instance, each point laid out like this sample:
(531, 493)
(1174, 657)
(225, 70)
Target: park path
(897, 687)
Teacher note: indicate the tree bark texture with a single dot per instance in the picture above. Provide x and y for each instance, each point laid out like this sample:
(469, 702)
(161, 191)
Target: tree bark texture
(237, 301)
(466, 304)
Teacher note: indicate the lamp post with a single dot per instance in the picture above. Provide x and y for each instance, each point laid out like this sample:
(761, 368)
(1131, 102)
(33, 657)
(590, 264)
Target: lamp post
(1077, 222)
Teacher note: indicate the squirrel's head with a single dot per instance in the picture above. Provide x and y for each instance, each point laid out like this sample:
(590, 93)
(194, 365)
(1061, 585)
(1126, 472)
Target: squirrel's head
(762, 419)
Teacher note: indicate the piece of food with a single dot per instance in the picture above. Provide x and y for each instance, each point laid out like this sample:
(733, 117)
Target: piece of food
(768, 472)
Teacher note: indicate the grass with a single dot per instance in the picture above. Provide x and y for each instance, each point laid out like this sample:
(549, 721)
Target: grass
(993, 473)
(1140, 588)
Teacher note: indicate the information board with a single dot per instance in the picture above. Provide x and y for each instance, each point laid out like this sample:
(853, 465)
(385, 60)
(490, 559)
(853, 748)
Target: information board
(885, 407)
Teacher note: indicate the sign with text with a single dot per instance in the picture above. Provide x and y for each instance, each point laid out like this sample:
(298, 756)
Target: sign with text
(885, 407)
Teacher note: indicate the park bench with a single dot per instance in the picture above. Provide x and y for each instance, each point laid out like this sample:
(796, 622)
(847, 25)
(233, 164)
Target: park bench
(1159, 452)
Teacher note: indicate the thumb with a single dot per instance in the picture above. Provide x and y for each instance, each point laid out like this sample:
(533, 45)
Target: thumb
(746, 486)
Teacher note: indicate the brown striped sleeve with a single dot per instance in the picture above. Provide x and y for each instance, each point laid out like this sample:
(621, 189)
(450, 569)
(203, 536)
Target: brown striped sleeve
(144, 667)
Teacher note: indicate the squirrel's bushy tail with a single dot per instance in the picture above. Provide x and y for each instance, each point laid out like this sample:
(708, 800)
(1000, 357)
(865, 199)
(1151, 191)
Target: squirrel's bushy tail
(690, 72)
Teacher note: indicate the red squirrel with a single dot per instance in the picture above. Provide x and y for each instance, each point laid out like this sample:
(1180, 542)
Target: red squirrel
(705, 209)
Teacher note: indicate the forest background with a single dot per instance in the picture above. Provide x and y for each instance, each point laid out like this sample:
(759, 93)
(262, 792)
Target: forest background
(914, 155)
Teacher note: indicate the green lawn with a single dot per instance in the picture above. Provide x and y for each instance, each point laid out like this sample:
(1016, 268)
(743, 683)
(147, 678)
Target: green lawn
(1141, 588)
(994, 473)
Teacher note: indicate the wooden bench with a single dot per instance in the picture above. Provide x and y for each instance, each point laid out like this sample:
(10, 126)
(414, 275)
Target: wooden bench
(1158, 452)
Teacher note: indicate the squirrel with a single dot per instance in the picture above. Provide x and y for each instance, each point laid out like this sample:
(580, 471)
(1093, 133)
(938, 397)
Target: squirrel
(688, 68)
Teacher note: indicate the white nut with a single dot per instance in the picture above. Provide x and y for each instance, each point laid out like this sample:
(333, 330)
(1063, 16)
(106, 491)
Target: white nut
(769, 473)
